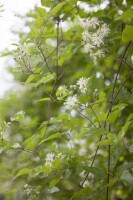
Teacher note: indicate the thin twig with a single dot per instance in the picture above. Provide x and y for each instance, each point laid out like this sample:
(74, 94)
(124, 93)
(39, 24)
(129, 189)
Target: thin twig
(95, 115)
(44, 58)
(87, 118)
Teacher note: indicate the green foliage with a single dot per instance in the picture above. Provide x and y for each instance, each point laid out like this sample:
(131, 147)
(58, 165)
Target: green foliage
(66, 132)
(127, 34)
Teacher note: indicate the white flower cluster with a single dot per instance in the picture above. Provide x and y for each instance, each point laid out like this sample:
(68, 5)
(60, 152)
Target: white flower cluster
(27, 189)
(93, 37)
(49, 159)
(71, 102)
(82, 84)
(51, 156)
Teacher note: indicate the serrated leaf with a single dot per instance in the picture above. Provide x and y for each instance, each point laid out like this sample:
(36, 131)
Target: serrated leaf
(127, 34)
(43, 99)
(56, 9)
(51, 137)
(113, 115)
(127, 14)
(23, 172)
(45, 79)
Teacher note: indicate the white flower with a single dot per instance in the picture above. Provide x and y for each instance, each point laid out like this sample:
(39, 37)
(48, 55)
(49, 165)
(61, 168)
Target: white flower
(60, 156)
(73, 87)
(86, 183)
(82, 83)
(49, 159)
(86, 36)
(103, 30)
(71, 102)
(97, 40)
(89, 47)
(93, 37)
(90, 23)
(99, 53)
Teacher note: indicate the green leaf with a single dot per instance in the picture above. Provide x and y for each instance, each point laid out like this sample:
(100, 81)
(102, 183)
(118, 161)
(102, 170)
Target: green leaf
(19, 116)
(111, 136)
(119, 2)
(46, 3)
(105, 142)
(116, 152)
(53, 183)
(127, 179)
(124, 130)
(22, 172)
(54, 189)
(45, 169)
(127, 34)
(63, 116)
(124, 95)
(100, 173)
(56, 9)
(43, 99)
(96, 83)
(113, 181)
(56, 164)
(124, 167)
(127, 14)
(45, 79)
(34, 33)
(113, 115)
(82, 192)
(100, 131)
(41, 11)
(30, 78)
(51, 137)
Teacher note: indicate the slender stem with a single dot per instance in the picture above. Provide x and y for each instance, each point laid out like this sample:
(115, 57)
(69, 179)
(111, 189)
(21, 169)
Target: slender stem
(126, 79)
(108, 174)
(87, 118)
(110, 110)
(87, 175)
(44, 58)
(57, 44)
(119, 68)
(95, 115)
